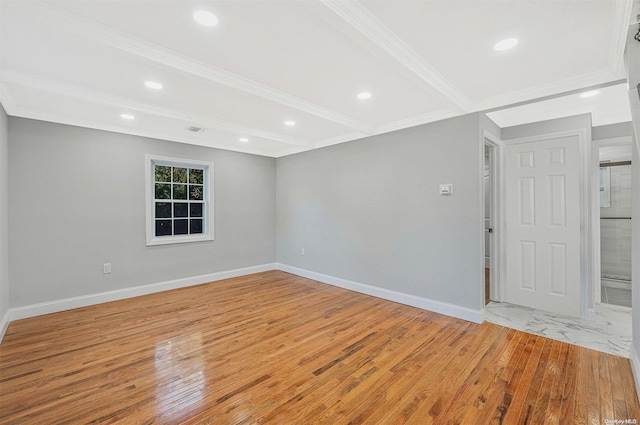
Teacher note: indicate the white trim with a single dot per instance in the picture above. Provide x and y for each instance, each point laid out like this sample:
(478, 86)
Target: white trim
(22, 79)
(464, 313)
(635, 367)
(56, 306)
(208, 205)
(619, 29)
(586, 220)
(368, 25)
(532, 94)
(416, 120)
(187, 137)
(4, 323)
(96, 31)
(498, 259)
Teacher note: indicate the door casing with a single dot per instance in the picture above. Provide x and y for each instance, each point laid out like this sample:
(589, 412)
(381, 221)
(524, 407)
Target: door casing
(588, 219)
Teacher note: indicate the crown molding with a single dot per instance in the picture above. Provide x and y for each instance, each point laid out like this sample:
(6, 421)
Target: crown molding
(534, 94)
(366, 23)
(58, 118)
(440, 114)
(72, 90)
(5, 99)
(291, 151)
(622, 11)
(108, 36)
(339, 139)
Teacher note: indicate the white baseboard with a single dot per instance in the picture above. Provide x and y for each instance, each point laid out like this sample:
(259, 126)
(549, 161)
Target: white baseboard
(635, 367)
(476, 316)
(56, 306)
(4, 324)
(120, 294)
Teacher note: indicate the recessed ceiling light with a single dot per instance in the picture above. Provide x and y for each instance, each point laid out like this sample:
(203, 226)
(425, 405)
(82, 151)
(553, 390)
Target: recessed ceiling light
(243, 139)
(364, 95)
(205, 18)
(153, 85)
(289, 123)
(590, 93)
(505, 44)
(127, 117)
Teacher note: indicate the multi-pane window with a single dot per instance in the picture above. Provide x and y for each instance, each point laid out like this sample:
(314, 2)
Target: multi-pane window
(178, 201)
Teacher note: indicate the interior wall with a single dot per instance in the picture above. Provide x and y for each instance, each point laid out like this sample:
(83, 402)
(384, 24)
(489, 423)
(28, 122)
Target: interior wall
(558, 125)
(77, 200)
(4, 220)
(369, 211)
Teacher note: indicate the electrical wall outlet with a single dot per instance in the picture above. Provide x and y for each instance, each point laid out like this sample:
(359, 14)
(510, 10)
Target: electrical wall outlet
(106, 268)
(302, 251)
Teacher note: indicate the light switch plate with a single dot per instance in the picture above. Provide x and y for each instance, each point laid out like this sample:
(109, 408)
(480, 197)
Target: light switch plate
(446, 189)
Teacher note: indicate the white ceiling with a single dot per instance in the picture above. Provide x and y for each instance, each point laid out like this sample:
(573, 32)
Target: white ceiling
(85, 62)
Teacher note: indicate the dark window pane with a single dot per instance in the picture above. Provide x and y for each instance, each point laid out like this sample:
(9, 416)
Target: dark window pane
(163, 210)
(179, 191)
(163, 173)
(163, 227)
(181, 227)
(196, 176)
(195, 192)
(196, 226)
(180, 209)
(196, 210)
(163, 191)
(179, 175)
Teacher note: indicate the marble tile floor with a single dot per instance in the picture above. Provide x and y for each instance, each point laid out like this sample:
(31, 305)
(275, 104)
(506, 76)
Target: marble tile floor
(609, 333)
(617, 296)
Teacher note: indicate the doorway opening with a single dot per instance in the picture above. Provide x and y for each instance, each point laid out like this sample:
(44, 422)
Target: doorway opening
(491, 217)
(614, 178)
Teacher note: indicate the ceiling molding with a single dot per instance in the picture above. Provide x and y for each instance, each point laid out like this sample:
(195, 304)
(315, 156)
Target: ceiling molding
(291, 151)
(135, 46)
(535, 93)
(415, 120)
(126, 130)
(339, 139)
(71, 90)
(5, 99)
(364, 21)
(622, 11)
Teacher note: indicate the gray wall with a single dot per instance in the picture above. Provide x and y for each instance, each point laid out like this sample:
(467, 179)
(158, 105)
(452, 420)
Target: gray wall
(369, 211)
(548, 127)
(612, 131)
(4, 214)
(77, 200)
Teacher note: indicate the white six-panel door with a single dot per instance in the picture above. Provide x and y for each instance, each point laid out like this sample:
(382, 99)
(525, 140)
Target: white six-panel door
(542, 182)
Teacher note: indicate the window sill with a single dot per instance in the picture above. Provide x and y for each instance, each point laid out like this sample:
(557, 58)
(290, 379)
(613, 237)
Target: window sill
(168, 240)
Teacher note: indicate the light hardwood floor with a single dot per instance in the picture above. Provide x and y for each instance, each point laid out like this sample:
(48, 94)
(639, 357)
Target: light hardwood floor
(280, 349)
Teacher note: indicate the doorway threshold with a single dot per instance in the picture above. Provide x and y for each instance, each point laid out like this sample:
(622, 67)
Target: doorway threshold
(609, 333)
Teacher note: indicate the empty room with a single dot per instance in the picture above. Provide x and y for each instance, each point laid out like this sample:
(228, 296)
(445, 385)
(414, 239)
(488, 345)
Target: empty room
(319, 212)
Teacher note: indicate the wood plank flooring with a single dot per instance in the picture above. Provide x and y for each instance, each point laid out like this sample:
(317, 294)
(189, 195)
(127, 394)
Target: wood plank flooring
(274, 348)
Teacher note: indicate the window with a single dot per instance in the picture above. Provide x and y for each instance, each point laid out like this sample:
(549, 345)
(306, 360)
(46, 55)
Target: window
(179, 200)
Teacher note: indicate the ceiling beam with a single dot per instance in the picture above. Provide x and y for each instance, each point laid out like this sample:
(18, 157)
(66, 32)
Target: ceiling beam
(108, 36)
(71, 90)
(366, 23)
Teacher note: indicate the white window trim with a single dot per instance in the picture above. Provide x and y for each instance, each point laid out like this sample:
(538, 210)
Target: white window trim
(208, 214)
